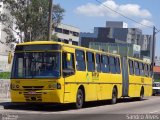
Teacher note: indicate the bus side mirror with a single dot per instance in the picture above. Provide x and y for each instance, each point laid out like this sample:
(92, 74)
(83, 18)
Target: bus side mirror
(9, 57)
(68, 57)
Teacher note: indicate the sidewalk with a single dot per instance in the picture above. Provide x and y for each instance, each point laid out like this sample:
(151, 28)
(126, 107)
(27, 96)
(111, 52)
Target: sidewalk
(4, 103)
(5, 100)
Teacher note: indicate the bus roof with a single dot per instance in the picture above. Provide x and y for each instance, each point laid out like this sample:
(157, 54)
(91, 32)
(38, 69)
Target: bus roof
(78, 47)
(139, 60)
(63, 44)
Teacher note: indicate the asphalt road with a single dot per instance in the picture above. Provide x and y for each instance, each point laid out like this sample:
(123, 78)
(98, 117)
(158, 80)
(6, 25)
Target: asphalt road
(125, 109)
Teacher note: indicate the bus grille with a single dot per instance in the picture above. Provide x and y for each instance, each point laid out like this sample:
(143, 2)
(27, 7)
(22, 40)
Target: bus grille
(33, 87)
(37, 97)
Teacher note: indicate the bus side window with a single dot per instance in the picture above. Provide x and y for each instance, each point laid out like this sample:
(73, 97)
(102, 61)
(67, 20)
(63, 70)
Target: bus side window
(68, 66)
(80, 60)
(98, 62)
(146, 70)
(131, 68)
(104, 64)
(150, 70)
(141, 67)
(90, 62)
(118, 66)
(137, 71)
(112, 65)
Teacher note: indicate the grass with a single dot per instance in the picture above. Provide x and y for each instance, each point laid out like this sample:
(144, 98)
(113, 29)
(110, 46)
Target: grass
(5, 75)
(157, 80)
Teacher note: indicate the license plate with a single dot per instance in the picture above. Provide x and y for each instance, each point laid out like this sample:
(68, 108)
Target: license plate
(32, 92)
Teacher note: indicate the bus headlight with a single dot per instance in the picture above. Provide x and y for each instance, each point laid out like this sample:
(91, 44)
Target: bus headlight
(14, 86)
(54, 86)
(17, 86)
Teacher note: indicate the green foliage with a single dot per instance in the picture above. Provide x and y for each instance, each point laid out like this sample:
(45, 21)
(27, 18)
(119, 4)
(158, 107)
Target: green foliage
(31, 17)
(5, 75)
(54, 37)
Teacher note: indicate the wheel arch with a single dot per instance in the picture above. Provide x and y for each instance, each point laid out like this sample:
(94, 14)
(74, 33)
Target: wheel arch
(142, 89)
(115, 86)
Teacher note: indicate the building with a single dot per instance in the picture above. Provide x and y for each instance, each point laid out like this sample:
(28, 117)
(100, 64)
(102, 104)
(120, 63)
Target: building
(100, 34)
(67, 34)
(118, 32)
(157, 61)
(4, 47)
(156, 70)
(146, 45)
(116, 24)
(126, 35)
(121, 31)
(123, 49)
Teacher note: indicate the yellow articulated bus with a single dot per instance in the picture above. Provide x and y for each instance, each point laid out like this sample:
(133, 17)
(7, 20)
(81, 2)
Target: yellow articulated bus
(52, 72)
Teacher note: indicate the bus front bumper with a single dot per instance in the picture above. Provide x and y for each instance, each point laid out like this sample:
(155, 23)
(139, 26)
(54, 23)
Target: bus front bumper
(41, 96)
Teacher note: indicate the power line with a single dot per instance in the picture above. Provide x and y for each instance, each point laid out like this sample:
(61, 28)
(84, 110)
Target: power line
(155, 30)
(124, 15)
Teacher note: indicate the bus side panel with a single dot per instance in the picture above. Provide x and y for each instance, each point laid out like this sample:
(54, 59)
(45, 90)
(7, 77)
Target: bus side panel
(105, 86)
(148, 87)
(70, 92)
(147, 90)
(91, 89)
(70, 89)
(119, 85)
(134, 85)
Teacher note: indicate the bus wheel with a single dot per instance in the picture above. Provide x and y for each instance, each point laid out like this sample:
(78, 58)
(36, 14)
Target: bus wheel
(141, 94)
(79, 99)
(114, 96)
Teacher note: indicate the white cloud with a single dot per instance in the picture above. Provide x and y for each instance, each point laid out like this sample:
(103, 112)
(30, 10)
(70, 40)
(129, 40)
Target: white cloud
(130, 10)
(90, 10)
(144, 23)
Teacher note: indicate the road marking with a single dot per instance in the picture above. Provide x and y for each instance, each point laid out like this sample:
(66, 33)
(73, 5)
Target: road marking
(155, 111)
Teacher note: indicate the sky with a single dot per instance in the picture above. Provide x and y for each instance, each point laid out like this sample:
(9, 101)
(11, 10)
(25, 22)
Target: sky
(87, 14)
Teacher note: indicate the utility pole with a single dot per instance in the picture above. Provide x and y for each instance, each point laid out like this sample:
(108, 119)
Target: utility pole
(153, 46)
(50, 20)
(155, 31)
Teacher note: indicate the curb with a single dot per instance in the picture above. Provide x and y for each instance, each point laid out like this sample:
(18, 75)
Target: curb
(5, 101)
(1, 107)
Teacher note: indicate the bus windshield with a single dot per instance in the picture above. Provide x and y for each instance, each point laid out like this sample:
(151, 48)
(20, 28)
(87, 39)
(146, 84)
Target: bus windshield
(36, 65)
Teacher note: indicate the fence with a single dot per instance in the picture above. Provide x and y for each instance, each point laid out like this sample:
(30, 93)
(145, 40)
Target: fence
(4, 78)
(4, 90)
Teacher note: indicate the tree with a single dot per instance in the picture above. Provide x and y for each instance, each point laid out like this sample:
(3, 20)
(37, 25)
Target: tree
(31, 17)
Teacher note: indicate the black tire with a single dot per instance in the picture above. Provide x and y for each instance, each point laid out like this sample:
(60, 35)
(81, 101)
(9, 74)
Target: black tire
(114, 96)
(141, 94)
(79, 99)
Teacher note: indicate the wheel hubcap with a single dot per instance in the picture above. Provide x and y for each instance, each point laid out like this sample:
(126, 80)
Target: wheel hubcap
(80, 99)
